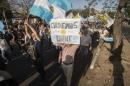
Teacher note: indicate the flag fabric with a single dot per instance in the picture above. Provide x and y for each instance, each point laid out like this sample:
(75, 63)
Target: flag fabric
(41, 9)
(58, 12)
(106, 19)
(110, 21)
(64, 4)
(1, 26)
(108, 39)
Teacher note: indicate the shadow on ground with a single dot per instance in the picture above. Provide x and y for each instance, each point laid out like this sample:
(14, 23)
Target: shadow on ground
(81, 66)
(118, 68)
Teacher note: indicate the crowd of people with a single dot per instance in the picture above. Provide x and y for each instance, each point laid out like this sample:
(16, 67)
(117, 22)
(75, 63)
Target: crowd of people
(32, 36)
(23, 37)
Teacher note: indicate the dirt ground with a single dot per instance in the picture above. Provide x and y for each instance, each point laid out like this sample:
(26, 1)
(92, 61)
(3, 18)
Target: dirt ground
(110, 69)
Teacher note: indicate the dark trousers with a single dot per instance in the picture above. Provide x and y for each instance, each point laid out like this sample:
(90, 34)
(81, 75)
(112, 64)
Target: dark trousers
(84, 51)
(2, 64)
(40, 67)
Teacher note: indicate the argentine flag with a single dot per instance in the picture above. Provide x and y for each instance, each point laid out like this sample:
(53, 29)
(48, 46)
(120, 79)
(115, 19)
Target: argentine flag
(41, 9)
(58, 12)
(1, 26)
(64, 4)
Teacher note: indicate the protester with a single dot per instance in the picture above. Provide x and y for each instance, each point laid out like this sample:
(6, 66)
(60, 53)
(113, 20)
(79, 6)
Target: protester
(38, 50)
(5, 49)
(66, 58)
(15, 47)
(103, 32)
(85, 42)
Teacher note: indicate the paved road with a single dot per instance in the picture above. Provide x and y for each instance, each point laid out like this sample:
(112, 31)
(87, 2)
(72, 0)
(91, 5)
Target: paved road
(26, 75)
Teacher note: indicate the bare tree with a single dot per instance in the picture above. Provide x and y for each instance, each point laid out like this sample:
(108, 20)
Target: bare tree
(20, 7)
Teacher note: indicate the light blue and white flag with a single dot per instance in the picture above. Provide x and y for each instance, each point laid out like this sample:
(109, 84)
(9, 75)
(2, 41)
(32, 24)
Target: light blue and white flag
(41, 9)
(58, 12)
(1, 26)
(64, 4)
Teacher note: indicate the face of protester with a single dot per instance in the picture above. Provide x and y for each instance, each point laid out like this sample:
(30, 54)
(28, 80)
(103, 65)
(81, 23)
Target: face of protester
(90, 24)
(86, 24)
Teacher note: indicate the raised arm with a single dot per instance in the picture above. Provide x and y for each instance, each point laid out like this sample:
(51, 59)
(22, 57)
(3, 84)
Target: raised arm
(26, 31)
(33, 30)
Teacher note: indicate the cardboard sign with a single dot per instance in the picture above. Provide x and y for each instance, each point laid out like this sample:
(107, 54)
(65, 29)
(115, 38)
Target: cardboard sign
(65, 31)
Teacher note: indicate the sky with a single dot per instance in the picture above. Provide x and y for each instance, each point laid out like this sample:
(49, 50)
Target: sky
(78, 4)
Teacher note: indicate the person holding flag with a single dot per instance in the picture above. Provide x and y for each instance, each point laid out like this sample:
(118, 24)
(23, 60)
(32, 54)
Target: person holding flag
(38, 49)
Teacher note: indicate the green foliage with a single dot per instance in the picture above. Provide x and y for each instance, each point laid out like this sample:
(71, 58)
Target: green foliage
(111, 14)
(85, 12)
(127, 10)
(4, 4)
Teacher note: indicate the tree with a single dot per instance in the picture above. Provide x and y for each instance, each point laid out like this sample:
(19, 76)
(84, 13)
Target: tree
(85, 12)
(127, 10)
(117, 26)
(90, 3)
(111, 14)
(20, 8)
